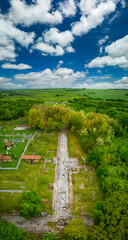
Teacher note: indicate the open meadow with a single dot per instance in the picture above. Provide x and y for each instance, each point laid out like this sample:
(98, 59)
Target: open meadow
(86, 185)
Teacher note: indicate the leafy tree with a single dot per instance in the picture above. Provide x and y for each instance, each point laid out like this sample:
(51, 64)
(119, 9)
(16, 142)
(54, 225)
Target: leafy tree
(30, 204)
(36, 118)
(112, 215)
(42, 124)
(13, 109)
(94, 156)
(9, 231)
(76, 230)
(7, 114)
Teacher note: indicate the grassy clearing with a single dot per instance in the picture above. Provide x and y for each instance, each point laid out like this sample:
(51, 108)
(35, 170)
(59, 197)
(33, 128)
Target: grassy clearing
(38, 176)
(7, 128)
(75, 152)
(43, 144)
(84, 200)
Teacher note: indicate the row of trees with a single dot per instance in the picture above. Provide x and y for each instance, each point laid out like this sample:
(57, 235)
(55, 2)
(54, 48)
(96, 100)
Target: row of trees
(113, 108)
(13, 109)
(93, 129)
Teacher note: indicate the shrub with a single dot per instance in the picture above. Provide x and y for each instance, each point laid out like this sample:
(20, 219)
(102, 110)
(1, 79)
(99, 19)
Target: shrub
(30, 204)
(75, 230)
(9, 231)
(50, 236)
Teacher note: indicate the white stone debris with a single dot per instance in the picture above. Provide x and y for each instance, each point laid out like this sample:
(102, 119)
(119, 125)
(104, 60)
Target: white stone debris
(20, 128)
(62, 188)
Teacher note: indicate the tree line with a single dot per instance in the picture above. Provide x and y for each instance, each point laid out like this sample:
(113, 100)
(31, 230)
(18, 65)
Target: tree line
(14, 109)
(118, 109)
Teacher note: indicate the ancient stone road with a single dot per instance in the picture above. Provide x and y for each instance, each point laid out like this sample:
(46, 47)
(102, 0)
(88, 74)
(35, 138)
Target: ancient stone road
(61, 194)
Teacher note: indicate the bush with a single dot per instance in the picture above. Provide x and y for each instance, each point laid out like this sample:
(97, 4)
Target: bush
(9, 231)
(30, 204)
(75, 230)
(50, 236)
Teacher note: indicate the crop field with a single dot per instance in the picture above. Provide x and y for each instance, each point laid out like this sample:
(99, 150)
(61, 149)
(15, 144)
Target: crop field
(86, 186)
(37, 176)
(63, 95)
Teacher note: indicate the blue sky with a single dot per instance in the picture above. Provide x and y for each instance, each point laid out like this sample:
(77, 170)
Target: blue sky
(57, 44)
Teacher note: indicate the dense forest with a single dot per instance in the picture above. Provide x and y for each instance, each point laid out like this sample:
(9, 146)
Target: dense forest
(118, 109)
(14, 109)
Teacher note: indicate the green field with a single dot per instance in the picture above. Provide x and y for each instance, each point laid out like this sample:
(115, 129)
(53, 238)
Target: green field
(84, 200)
(62, 95)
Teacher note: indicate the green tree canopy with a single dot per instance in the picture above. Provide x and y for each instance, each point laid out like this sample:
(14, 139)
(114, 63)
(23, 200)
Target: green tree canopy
(76, 230)
(30, 204)
(9, 231)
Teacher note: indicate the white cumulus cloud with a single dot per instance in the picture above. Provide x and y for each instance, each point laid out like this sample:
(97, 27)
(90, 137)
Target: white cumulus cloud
(40, 11)
(60, 63)
(103, 40)
(61, 77)
(54, 36)
(101, 62)
(117, 55)
(93, 14)
(9, 33)
(55, 43)
(5, 83)
(20, 66)
(122, 81)
(118, 48)
(7, 51)
(68, 8)
(48, 49)
(119, 84)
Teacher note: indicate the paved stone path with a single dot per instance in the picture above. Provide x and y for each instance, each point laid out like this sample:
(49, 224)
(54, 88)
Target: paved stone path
(34, 225)
(62, 189)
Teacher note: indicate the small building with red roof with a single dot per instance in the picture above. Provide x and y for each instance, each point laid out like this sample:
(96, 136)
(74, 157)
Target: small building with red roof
(5, 158)
(31, 158)
(8, 145)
